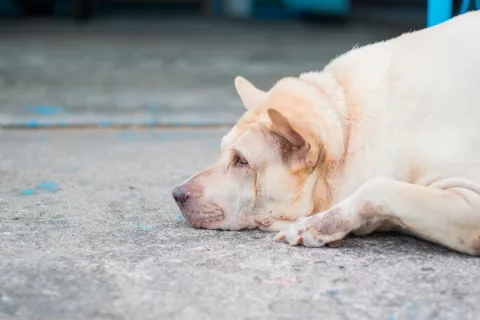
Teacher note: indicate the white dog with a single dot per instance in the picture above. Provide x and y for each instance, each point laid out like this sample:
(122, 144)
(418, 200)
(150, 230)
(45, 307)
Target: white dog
(386, 137)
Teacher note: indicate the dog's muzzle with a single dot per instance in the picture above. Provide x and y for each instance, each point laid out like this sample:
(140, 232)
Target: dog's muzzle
(201, 215)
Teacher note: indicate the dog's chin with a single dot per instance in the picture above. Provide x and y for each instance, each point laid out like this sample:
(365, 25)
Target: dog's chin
(208, 224)
(208, 216)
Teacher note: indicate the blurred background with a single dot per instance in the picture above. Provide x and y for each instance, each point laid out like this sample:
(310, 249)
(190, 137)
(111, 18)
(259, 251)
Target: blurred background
(171, 62)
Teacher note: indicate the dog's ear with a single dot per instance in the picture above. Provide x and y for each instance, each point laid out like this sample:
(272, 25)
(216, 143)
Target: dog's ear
(319, 137)
(301, 133)
(250, 96)
(283, 127)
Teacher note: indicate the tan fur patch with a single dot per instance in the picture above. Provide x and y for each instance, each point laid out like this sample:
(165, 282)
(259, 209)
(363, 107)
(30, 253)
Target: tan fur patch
(475, 245)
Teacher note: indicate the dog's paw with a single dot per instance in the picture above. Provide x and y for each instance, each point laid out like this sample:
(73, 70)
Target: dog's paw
(325, 228)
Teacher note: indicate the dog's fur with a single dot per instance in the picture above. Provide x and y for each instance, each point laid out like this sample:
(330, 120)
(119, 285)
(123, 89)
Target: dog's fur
(387, 136)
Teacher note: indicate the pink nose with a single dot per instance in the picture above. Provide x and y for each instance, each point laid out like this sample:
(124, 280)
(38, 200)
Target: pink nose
(180, 195)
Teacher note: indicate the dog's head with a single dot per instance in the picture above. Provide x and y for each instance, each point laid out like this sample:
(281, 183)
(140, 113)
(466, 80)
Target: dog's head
(274, 162)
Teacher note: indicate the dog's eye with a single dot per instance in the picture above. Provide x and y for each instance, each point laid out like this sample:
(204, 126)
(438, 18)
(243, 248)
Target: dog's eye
(240, 161)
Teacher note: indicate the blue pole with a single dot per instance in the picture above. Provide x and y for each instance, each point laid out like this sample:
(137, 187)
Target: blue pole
(438, 11)
(464, 7)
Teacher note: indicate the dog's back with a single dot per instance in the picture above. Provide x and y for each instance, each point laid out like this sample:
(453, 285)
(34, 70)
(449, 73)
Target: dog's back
(415, 105)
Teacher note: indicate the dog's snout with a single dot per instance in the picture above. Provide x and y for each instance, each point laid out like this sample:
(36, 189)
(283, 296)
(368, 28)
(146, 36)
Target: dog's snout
(180, 195)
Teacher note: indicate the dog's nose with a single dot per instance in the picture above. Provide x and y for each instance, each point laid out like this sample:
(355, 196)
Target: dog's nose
(180, 195)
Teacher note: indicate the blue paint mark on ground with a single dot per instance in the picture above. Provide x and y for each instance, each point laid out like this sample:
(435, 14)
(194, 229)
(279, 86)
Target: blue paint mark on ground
(62, 222)
(48, 186)
(392, 317)
(411, 308)
(105, 123)
(146, 228)
(44, 110)
(27, 192)
(32, 124)
(332, 293)
(180, 218)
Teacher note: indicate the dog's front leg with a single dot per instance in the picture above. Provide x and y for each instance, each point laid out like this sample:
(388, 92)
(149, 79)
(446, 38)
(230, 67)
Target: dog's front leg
(447, 212)
(272, 225)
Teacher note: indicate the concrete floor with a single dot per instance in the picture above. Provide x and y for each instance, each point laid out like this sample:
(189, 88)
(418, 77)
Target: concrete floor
(88, 231)
(164, 71)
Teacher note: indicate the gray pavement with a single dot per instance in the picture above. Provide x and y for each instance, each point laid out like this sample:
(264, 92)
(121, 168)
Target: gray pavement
(156, 71)
(88, 231)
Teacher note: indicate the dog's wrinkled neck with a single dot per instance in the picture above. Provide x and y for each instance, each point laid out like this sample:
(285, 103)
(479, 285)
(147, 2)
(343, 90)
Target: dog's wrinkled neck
(323, 191)
(328, 171)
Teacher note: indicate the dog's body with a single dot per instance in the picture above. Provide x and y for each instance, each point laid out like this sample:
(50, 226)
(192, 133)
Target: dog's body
(386, 136)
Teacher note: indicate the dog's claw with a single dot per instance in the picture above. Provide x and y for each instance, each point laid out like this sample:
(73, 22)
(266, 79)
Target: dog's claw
(324, 229)
(312, 241)
(296, 241)
(280, 236)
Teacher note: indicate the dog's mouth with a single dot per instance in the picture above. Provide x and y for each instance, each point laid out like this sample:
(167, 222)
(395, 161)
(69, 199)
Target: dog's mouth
(207, 217)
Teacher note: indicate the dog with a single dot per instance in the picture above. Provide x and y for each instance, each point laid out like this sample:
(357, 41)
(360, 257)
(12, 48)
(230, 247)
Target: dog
(385, 138)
